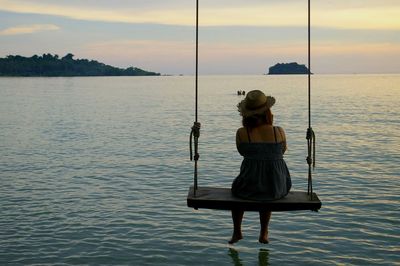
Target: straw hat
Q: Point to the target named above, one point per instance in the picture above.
(256, 102)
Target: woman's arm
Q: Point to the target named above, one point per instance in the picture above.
(238, 141)
(283, 138)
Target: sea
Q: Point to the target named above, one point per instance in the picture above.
(96, 170)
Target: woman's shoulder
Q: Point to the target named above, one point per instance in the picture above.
(280, 129)
(241, 133)
(280, 134)
(240, 130)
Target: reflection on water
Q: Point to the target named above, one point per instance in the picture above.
(235, 257)
(263, 257)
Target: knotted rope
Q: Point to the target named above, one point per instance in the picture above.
(194, 135)
(310, 159)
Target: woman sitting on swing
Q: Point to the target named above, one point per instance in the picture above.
(263, 174)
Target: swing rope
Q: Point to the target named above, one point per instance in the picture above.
(310, 132)
(195, 133)
(310, 136)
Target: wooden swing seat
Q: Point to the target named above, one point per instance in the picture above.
(222, 199)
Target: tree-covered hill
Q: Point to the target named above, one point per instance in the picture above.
(49, 65)
(287, 68)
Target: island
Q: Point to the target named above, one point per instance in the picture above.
(287, 68)
(49, 65)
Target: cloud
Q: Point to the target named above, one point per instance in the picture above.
(365, 49)
(143, 53)
(141, 47)
(102, 13)
(28, 29)
(339, 14)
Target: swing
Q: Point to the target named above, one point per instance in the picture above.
(222, 198)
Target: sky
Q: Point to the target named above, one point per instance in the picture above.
(235, 36)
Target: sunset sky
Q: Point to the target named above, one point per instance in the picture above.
(236, 37)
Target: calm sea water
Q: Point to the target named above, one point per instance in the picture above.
(96, 171)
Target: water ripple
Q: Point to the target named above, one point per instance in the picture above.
(91, 175)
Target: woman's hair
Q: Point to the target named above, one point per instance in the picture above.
(258, 119)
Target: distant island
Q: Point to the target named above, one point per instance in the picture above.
(287, 68)
(49, 65)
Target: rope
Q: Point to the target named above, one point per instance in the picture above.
(310, 132)
(197, 61)
(195, 132)
(310, 158)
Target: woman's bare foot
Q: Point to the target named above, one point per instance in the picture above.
(263, 238)
(235, 238)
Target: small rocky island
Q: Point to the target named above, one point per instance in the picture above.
(49, 65)
(287, 68)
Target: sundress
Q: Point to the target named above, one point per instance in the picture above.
(264, 174)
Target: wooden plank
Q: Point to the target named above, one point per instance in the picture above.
(222, 199)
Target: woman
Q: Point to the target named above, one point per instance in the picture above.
(263, 174)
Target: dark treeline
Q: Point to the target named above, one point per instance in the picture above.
(49, 65)
(288, 68)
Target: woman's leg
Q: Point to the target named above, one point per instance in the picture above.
(264, 222)
(237, 217)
